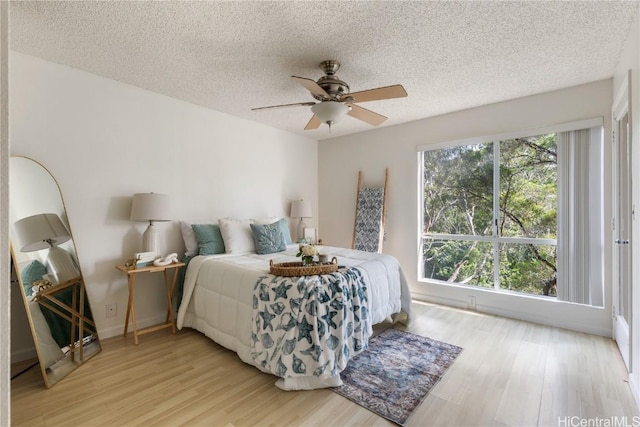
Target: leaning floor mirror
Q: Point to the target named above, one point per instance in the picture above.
(49, 277)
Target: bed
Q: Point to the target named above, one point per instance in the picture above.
(302, 330)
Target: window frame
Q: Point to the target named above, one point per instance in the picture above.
(494, 239)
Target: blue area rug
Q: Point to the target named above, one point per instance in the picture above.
(394, 375)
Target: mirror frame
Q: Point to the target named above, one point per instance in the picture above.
(76, 355)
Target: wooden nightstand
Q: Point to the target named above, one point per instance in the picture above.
(169, 288)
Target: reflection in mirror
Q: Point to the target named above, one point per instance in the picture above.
(49, 278)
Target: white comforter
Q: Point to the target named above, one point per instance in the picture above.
(218, 292)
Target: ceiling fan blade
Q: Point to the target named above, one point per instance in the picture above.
(365, 115)
(387, 92)
(314, 123)
(304, 104)
(311, 86)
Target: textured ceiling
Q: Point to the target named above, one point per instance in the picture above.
(233, 56)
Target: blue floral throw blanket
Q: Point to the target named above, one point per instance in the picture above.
(310, 326)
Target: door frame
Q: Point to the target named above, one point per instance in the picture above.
(622, 331)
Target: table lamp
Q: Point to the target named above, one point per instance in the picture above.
(151, 207)
(46, 231)
(300, 209)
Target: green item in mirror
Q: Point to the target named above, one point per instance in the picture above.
(32, 272)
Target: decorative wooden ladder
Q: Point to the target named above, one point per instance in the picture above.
(371, 206)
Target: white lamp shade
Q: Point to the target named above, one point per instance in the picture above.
(300, 209)
(150, 207)
(330, 111)
(40, 231)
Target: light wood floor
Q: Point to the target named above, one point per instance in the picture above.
(510, 373)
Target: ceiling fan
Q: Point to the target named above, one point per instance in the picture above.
(336, 101)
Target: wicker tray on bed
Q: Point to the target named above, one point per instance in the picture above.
(290, 269)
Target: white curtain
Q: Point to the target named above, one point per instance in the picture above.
(580, 216)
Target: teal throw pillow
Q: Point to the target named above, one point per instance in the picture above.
(209, 239)
(268, 238)
(32, 272)
(284, 227)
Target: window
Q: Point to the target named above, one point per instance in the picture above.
(500, 213)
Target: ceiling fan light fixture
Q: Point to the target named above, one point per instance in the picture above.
(330, 112)
(335, 99)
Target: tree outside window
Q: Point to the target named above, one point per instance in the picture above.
(490, 214)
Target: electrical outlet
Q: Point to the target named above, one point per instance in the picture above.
(471, 304)
(111, 309)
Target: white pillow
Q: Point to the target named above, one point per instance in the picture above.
(237, 235)
(189, 237)
(49, 349)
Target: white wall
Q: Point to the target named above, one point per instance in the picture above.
(5, 407)
(394, 147)
(630, 60)
(104, 141)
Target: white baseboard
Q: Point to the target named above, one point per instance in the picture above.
(119, 330)
(528, 311)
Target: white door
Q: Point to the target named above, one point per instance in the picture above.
(622, 314)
